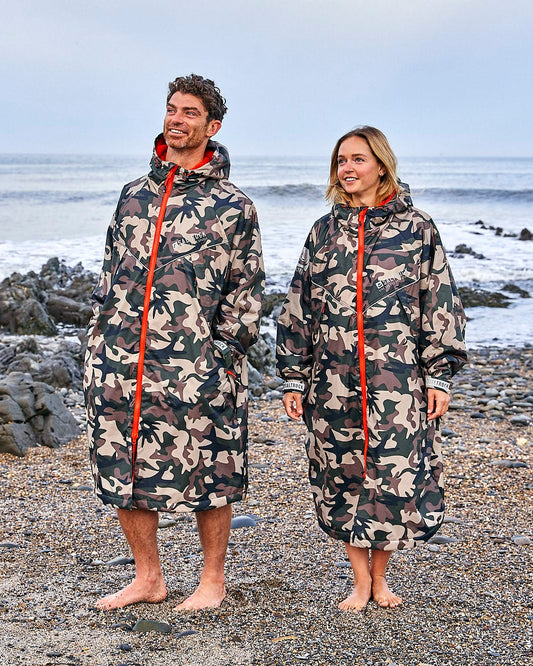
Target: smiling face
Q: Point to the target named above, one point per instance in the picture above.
(359, 171)
(187, 129)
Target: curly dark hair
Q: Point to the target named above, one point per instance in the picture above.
(205, 89)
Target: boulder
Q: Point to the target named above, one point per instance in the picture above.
(21, 311)
(33, 304)
(60, 366)
(261, 354)
(32, 414)
(472, 298)
(67, 310)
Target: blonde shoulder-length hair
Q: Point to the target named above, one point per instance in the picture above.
(382, 151)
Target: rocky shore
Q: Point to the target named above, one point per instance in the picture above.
(467, 594)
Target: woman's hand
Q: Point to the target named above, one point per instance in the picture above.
(438, 403)
(292, 401)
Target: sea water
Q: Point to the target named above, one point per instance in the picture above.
(60, 205)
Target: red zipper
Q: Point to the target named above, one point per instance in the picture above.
(360, 328)
(146, 308)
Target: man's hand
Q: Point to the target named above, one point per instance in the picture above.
(438, 403)
(292, 401)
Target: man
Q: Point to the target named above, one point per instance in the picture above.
(176, 307)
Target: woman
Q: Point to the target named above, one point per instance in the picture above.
(370, 334)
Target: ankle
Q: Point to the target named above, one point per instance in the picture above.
(151, 578)
(212, 578)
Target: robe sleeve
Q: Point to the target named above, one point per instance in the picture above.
(106, 275)
(294, 349)
(239, 313)
(442, 335)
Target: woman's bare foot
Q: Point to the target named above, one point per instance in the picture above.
(359, 598)
(135, 592)
(206, 595)
(381, 593)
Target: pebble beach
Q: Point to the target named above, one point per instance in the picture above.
(467, 594)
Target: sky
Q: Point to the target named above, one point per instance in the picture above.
(439, 77)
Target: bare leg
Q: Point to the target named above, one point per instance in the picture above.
(362, 580)
(381, 593)
(213, 527)
(140, 529)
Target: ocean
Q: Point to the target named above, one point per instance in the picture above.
(60, 205)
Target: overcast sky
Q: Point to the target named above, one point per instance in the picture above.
(439, 77)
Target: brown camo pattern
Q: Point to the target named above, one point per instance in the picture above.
(208, 283)
(414, 327)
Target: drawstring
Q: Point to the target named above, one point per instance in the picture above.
(146, 308)
(360, 329)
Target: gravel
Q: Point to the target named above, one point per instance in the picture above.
(467, 596)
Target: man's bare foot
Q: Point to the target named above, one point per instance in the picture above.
(359, 598)
(206, 595)
(134, 593)
(381, 593)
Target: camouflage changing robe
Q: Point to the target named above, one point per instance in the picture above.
(412, 325)
(207, 277)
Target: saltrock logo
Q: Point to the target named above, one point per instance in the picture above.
(384, 283)
(191, 239)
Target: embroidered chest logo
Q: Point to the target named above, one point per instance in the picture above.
(385, 283)
(190, 240)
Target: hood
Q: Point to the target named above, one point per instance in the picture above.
(347, 214)
(218, 166)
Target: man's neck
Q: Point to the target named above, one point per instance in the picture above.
(186, 158)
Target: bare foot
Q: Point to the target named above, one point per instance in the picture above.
(381, 593)
(359, 598)
(206, 595)
(134, 593)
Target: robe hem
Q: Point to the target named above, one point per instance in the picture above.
(400, 544)
(179, 507)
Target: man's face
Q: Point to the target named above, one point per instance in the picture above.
(186, 127)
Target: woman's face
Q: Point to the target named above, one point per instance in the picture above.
(358, 171)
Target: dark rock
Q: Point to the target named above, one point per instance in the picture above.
(67, 310)
(32, 414)
(33, 304)
(59, 370)
(446, 432)
(272, 301)
(472, 298)
(187, 632)
(261, 355)
(143, 626)
(462, 249)
(242, 521)
(440, 539)
(117, 561)
(513, 289)
(525, 235)
(21, 312)
(508, 464)
(520, 419)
